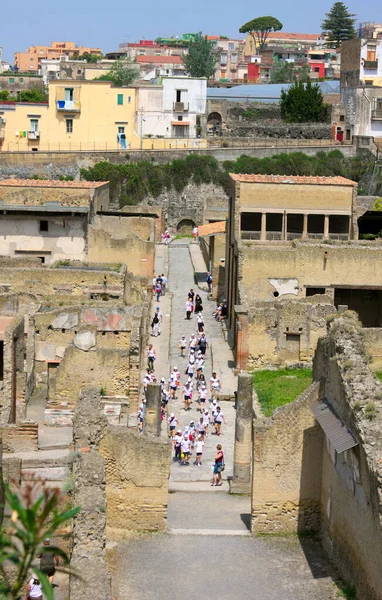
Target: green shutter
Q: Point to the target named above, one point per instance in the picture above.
(120, 99)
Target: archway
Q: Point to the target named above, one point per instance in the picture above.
(185, 226)
(214, 123)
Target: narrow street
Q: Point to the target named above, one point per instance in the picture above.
(208, 546)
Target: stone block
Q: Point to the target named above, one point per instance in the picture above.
(85, 340)
(45, 351)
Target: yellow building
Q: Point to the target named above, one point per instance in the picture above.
(81, 115)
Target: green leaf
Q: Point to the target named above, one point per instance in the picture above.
(46, 586)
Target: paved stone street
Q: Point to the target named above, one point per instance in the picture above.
(209, 549)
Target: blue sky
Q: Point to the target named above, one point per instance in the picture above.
(98, 23)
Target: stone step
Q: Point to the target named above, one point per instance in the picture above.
(229, 532)
(46, 473)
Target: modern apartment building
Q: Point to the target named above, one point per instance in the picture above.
(30, 60)
(361, 62)
(230, 56)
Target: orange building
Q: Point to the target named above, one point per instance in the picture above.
(30, 60)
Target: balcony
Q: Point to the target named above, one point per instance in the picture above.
(68, 105)
(180, 106)
(376, 114)
(370, 64)
(33, 135)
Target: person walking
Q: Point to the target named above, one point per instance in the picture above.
(177, 440)
(155, 325)
(203, 344)
(182, 346)
(199, 451)
(158, 289)
(215, 386)
(172, 422)
(209, 282)
(187, 396)
(191, 296)
(219, 419)
(34, 589)
(188, 310)
(151, 357)
(195, 233)
(219, 466)
(48, 562)
(186, 449)
(164, 284)
(206, 421)
(173, 381)
(200, 427)
(202, 398)
(200, 322)
(198, 304)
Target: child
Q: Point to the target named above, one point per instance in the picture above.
(178, 438)
(182, 346)
(202, 398)
(199, 451)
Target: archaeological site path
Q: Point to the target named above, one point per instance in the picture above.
(208, 550)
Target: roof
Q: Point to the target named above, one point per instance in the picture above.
(175, 60)
(334, 429)
(281, 35)
(211, 228)
(264, 92)
(45, 183)
(307, 180)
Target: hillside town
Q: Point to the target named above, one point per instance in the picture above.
(191, 314)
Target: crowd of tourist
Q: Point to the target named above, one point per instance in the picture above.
(190, 384)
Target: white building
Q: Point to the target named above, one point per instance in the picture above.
(174, 109)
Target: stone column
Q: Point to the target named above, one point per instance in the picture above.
(263, 235)
(241, 315)
(326, 227)
(152, 416)
(305, 227)
(241, 481)
(285, 227)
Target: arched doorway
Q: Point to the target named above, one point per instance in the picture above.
(214, 123)
(185, 226)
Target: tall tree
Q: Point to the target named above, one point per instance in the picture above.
(338, 25)
(200, 61)
(123, 72)
(260, 29)
(303, 103)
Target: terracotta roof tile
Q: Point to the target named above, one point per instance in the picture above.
(212, 228)
(281, 35)
(174, 60)
(45, 183)
(307, 180)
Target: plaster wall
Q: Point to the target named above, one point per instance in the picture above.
(65, 238)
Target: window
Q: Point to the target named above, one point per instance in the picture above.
(234, 58)
(43, 226)
(231, 46)
(69, 125)
(120, 99)
(128, 99)
(368, 82)
(178, 95)
(33, 124)
(371, 52)
(223, 59)
(11, 80)
(342, 117)
(180, 118)
(69, 94)
(121, 130)
(21, 79)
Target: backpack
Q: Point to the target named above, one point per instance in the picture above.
(155, 321)
(209, 278)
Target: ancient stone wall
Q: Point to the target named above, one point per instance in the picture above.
(373, 346)
(13, 392)
(285, 332)
(286, 468)
(137, 471)
(351, 495)
(88, 555)
(22, 437)
(125, 240)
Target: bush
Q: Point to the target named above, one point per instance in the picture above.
(303, 103)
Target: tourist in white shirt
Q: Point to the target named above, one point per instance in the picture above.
(189, 307)
(206, 421)
(186, 450)
(214, 385)
(178, 438)
(187, 396)
(173, 381)
(172, 423)
(218, 420)
(182, 346)
(202, 398)
(34, 589)
(199, 451)
(200, 322)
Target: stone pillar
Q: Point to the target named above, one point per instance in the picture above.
(263, 235)
(152, 416)
(326, 227)
(305, 227)
(241, 481)
(285, 227)
(241, 341)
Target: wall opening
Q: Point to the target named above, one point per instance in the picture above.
(316, 225)
(274, 226)
(185, 226)
(339, 226)
(250, 221)
(295, 226)
(214, 123)
(312, 291)
(370, 223)
(293, 346)
(1, 360)
(366, 302)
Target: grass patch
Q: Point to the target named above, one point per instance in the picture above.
(181, 236)
(378, 375)
(276, 388)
